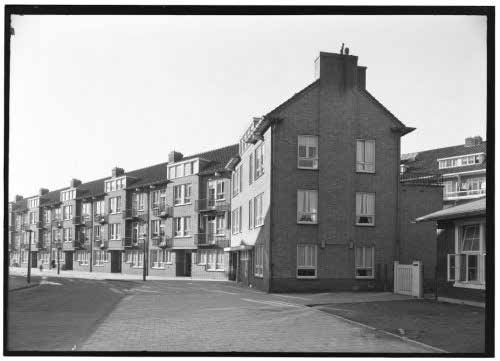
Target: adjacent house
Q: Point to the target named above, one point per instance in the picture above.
(461, 252)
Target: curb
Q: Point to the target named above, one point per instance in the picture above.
(24, 287)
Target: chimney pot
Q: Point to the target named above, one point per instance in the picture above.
(43, 191)
(19, 197)
(75, 183)
(472, 141)
(117, 172)
(174, 156)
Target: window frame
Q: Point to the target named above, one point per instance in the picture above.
(259, 161)
(258, 258)
(358, 215)
(356, 267)
(300, 213)
(363, 166)
(307, 267)
(302, 141)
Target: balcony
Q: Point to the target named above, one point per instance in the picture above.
(207, 205)
(43, 245)
(101, 218)
(162, 210)
(83, 220)
(134, 214)
(34, 246)
(467, 194)
(40, 224)
(68, 245)
(421, 178)
(162, 242)
(116, 244)
(57, 223)
(211, 239)
(253, 132)
(132, 242)
(100, 243)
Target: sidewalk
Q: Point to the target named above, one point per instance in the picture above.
(18, 283)
(18, 271)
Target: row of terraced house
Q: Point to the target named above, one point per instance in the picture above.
(310, 198)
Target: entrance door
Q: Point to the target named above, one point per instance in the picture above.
(68, 260)
(116, 261)
(233, 260)
(180, 261)
(33, 259)
(187, 270)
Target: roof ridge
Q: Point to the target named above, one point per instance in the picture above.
(447, 147)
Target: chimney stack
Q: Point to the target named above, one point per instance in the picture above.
(339, 71)
(43, 191)
(75, 183)
(361, 77)
(174, 156)
(18, 198)
(117, 172)
(472, 141)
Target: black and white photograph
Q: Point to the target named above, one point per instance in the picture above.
(248, 181)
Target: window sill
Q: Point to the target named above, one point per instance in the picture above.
(182, 204)
(313, 223)
(258, 276)
(307, 168)
(473, 285)
(364, 277)
(215, 270)
(365, 171)
(177, 237)
(307, 277)
(364, 225)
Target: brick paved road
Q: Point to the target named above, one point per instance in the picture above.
(198, 316)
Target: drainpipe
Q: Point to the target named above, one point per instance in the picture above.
(91, 234)
(271, 227)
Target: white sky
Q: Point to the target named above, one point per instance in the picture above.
(92, 92)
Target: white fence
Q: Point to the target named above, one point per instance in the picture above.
(409, 279)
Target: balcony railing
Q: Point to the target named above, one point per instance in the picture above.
(162, 241)
(421, 178)
(116, 244)
(68, 245)
(101, 218)
(101, 243)
(132, 242)
(162, 210)
(25, 226)
(211, 239)
(40, 224)
(57, 223)
(43, 245)
(471, 193)
(134, 214)
(210, 204)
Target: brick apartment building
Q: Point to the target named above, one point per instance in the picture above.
(462, 167)
(309, 199)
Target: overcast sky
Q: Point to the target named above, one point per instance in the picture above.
(92, 92)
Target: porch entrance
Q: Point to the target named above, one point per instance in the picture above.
(68, 261)
(116, 261)
(183, 263)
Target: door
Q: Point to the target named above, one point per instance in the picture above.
(116, 261)
(179, 262)
(233, 260)
(68, 260)
(33, 259)
(187, 271)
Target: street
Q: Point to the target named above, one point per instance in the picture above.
(104, 315)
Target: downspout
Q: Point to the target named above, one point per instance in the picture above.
(397, 243)
(91, 234)
(271, 226)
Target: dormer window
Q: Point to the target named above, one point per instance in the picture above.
(461, 161)
(68, 195)
(115, 184)
(33, 203)
(183, 169)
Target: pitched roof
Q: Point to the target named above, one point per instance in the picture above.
(218, 158)
(473, 208)
(426, 161)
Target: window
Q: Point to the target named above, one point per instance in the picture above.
(32, 217)
(100, 257)
(182, 226)
(183, 169)
(365, 156)
(155, 228)
(244, 256)
(67, 212)
(82, 257)
(115, 204)
(201, 257)
(139, 201)
(68, 195)
(160, 258)
(461, 161)
(135, 258)
(67, 233)
(99, 207)
(220, 190)
(470, 238)
(364, 265)
(33, 203)
(158, 198)
(86, 209)
(250, 214)
(237, 180)
(306, 261)
(44, 257)
(213, 259)
(236, 220)
(452, 268)
(365, 209)
(220, 224)
(114, 231)
(114, 184)
(307, 206)
(257, 209)
(250, 168)
(259, 260)
(182, 194)
(259, 161)
(97, 232)
(307, 157)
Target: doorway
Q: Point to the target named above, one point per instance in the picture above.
(116, 261)
(68, 261)
(33, 259)
(183, 263)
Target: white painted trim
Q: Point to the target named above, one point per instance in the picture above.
(462, 173)
(461, 156)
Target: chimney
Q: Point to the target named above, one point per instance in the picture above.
(338, 71)
(75, 183)
(361, 76)
(18, 198)
(117, 172)
(174, 156)
(472, 141)
(43, 191)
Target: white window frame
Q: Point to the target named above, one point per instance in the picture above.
(67, 212)
(364, 258)
(114, 231)
(182, 194)
(237, 180)
(258, 209)
(201, 257)
(258, 261)
(236, 218)
(185, 227)
(307, 266)
(364, 165)
(250, 214)
(250, 168)
(364, 201)
(309, 142)
(309, 196)
(259, 161)
(115, 205)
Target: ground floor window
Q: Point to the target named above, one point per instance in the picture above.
(135, 258)
(24, 256)
(100, 257)
(364, 262)
(14, 257)
(54, 255)
(160, 258)
(82, 257)
(44, 257)
(259, 261)
(466, 267)
(306, 261)
(213, 259)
